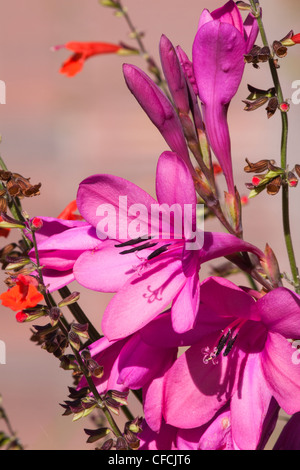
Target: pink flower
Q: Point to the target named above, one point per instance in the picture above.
(147, 274)
(243, 355)
(218, 59)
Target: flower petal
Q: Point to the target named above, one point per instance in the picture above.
(142, 298)
(280, 365)
(109, 202)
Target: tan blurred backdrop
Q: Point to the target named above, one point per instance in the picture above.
(58, 131)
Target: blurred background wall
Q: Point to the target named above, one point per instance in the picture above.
(58, 131)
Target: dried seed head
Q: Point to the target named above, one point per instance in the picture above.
(258, 167)
(274, 186)
(279, 49)
(272, 107)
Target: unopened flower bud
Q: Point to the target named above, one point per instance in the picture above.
(71, 299)
(292, 179)
(284, 107)
(36, 223)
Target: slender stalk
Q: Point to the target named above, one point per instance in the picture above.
(153, 67)
(64, 328)
(284, 139)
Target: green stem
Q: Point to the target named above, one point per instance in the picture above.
(284, 140)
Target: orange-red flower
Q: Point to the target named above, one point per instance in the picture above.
(85, 50)
(23, 295)
(69, 212)
(4, 232)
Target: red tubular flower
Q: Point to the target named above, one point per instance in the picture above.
(296, 38)
(4, 232)
(85, 50)
(68, 212)
(23, 295)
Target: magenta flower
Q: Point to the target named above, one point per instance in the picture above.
(159, 109)
(132, 364)
(60, 242)
(148, 274)
(246, 358)
(218, 59)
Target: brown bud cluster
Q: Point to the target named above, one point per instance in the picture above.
(18, 186)
(257, 55)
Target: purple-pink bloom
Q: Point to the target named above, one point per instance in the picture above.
(242, 355)
(218, 59)
(148, 274)
(60, 243)
(159, 109)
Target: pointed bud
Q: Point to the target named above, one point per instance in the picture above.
(255, 104)
(9, 222)
(96, 434)
(74, 340)
(174, 75)
(94, 368)
(54, 315)
(107, 445)
(271, 267)
(109, 3)
(256, 93)
(81, 330)
(159, 109)
(71, 299)
(243, 6)
(233, 210)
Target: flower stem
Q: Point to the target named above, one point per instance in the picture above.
(284, 139)
(153, 67)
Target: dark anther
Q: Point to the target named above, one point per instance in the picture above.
(157, 252)
(133, 242)
(222, 343)
(138, 248)
(229, 346)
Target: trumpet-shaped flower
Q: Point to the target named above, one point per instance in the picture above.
(242, 355)
(218, 59)
(83, 51)
(148, 273)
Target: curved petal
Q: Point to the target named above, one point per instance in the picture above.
(230, 14)
(110, 203)
(226, 299)
(55, 280)
(174, 183)
(142, 298)
(251, 31)
(223, 244)
(280, 365)
(185, 305)
(105, 269)
(218, 59)
(280, 312)
(249, 406)
(201, 388)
